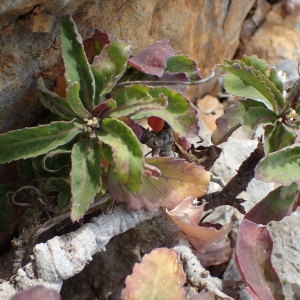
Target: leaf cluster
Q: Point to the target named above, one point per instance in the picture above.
(265, 104)
(94, 143)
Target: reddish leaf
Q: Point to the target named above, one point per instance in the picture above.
(211, 244)
(253, 257)
(153, 60)
(37, 292)
(254, 243)
(156, 123)
(275, 206)
(178, 181)
(159, 276)
(94, 45)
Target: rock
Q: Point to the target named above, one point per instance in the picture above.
(207, 31)
(278, 37)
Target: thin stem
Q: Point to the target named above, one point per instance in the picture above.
(162, 82)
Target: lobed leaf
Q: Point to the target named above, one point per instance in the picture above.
(127, 164)
(177, 181)
(57, 105)
(247, 81)
(77, 68)
(109, 66)
(159, 275)
(278, 136)
(30, 142)
(282, 166)
(85, 175)
(153, 60)
(228, 123)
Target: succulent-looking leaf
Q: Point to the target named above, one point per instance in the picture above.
(159, 275)
(255, 117)
(109, 66)
(30, 142)
(228, 123)
(75, 102)
(277, 137)
(282, 166)
(276, 205)
(127, 166)
(254, 243)
(205, 296)
(57, 105)
(180, 113)
(183, 64)
(153, 60)
(76, 64)
(249, 78)
(6, 209)
(211, 244)
(253, 257)
(178, 180)
(156, 123)
(134, 99)
(85, 175)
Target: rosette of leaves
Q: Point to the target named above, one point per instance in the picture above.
(264, 103)
(96, 133)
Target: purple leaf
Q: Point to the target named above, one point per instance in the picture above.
(37, 292)
(253, 257)
(153, 60)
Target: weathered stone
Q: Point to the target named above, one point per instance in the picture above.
(278, 37)
(207, 31)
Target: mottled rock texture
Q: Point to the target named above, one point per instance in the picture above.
(206, 30)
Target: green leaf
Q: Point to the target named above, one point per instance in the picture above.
(255, 117)
(57, 105)
(169, 183)
(183, 64)
(278, 204)
(75, 102)
(6, 209)
(228, 123)
(282, 166)
(30, 142)
(180, 113)
(109, 66)
(277, 137)
(85, 175)
(76, 63)
(127, 153)
(247, 81)
(134, 99)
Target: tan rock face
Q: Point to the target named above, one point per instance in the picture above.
(278, 37)
(207, 31)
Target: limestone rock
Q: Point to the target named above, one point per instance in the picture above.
(207, 31)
